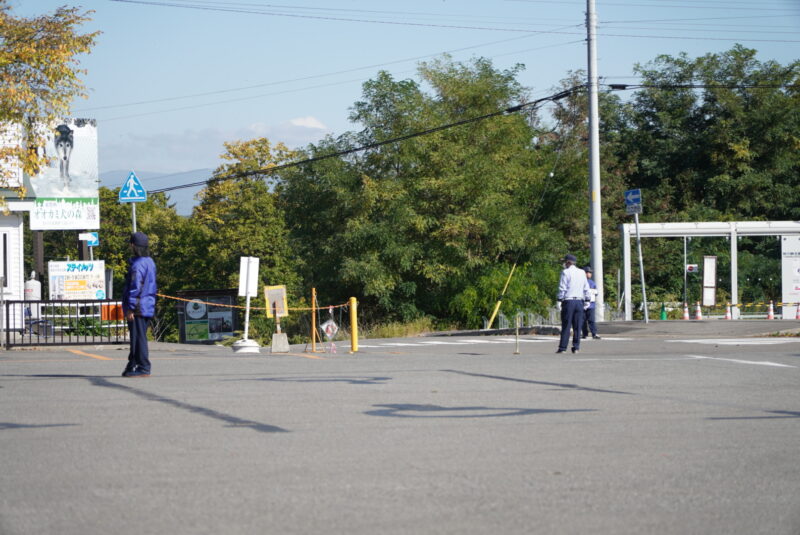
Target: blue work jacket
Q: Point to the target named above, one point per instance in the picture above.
(139, 293)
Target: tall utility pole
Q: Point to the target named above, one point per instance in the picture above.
(595, 217)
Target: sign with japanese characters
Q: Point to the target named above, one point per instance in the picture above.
(75, 280)
(65, 189)
(65, 214)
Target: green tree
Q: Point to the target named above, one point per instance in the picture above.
(239, 217)
(413, 225)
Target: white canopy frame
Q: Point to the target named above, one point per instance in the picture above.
(731, 229)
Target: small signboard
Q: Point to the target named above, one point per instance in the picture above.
(77, 280)
(248, 276)
(709, 281)
(92, 239)
(692, 268)
(633, 201)
(275, 297)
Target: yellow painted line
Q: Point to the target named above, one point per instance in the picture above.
(304, 355)
(85, 354)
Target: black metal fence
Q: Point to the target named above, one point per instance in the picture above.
(35, 323)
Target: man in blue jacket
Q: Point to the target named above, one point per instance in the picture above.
(139, 304)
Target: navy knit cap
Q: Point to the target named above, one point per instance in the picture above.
(139, 239)
(570, 258)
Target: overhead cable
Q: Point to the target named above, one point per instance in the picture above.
(274, 168)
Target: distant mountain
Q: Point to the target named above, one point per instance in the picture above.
(183, 198)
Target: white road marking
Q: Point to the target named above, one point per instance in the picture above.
(755, 362)
(739, 341)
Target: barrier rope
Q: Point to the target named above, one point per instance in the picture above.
(297, 309)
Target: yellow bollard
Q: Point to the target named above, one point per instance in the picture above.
(353, 325)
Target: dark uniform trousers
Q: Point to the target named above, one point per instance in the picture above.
(139, 357)
(571, 317)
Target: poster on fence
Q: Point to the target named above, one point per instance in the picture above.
(208, 318)
(77, 280)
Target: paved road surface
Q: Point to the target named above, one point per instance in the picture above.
(642, 432)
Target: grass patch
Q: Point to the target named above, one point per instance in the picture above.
(399, 330)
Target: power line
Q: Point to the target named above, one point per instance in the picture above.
(304, 78)
(340, 19)
(270, 170)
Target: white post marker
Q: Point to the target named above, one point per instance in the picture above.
(248, 286)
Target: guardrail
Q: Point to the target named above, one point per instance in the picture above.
(36, 323)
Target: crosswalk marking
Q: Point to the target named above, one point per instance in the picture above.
(738, 341)
(739, 361)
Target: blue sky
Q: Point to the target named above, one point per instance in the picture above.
(171, 80)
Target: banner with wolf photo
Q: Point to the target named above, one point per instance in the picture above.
(65, 191)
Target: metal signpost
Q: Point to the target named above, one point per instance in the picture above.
(633, 205)
(132, 191)
(248, 287)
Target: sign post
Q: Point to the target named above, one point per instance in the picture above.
(132, 191)
(633, 205)
(248, 287)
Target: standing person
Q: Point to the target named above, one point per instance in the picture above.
(588, 313)
(139, 304)
(573, 292)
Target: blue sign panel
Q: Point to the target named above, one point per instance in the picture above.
(95, 241)
(633, 201)
(132, 190)
(633, 196)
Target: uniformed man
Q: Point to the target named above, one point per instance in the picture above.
(573, 293)
(589, 313)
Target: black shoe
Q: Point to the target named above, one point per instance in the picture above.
(583, 337)
(137, 373)
(596, 337)
(575, 350)
(561, 351)
(127, 371)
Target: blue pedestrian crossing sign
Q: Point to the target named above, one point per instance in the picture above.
(132, 190)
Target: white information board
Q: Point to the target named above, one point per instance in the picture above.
(77, 280)
(790, 274)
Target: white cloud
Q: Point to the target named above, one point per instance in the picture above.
(308, 122)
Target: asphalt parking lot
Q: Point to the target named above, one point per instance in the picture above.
(653, 429)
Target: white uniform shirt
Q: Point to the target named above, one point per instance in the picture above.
(573, 284)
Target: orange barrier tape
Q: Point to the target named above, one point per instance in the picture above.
(239, 306)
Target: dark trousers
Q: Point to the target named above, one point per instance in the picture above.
(139, 356)
(571, 317)
(588, 322)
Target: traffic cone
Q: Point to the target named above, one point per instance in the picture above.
(728, 315)
(685, 311)
(797, 311)
(770, 312)
(698, 314)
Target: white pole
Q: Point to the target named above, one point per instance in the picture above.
(734, 270)
(133, 213)
(641, 268)
(595, 220)
(247, 299)
(685, 260)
